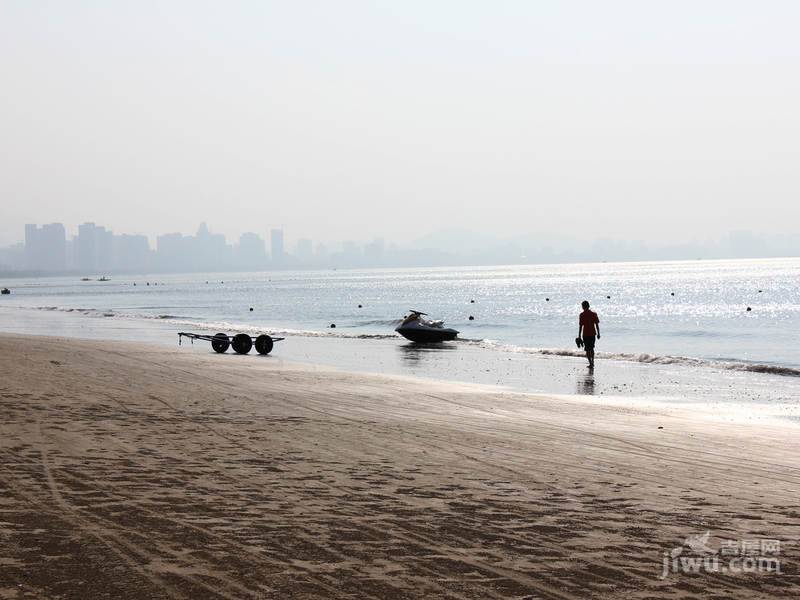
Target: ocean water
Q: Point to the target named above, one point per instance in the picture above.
(687, 313)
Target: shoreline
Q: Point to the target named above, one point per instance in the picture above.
(154, 473)
(730, 394)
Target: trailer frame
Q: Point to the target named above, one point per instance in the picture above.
(242, 343)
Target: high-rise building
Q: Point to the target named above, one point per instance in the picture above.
(93, 249)
(276, 240)
(351, 251)
(12, 258)
(104, 249)
(131, 253)
(251, 252)
(173, 252)
(45, 247)
(210, 252)
(205, 252)
(373, 251)
(305, 250)
(86, 248)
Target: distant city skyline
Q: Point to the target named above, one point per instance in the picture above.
(96, 250)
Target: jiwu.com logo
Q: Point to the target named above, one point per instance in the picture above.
(698, 555)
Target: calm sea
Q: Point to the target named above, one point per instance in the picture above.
(693, 313)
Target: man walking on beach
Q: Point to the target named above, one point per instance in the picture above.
(588, 328)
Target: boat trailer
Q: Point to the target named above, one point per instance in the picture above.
(241, 342)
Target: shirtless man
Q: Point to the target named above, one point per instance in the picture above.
(588, 328)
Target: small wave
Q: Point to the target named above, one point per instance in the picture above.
(481, 325)
(644, 358)
(219, 326)
(382, 322)
(728, 365)
(107, 313)
(336, 333)
(92, 312)
(164, 317)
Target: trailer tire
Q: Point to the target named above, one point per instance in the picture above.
(220, 342)
(242, 343)
(264, 344)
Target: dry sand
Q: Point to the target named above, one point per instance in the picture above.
(132, 471)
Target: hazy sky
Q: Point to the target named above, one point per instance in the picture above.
(638, 120)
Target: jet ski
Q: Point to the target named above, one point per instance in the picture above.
(417, 328)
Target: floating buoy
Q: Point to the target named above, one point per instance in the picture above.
(609, 297)
(749, 309)
(471, 318)
(672, 294)
(472, 301)
(251, 309)
(148, 283)
(333, 325)
(134, 284)
(359, 306)
(759, 291)
(547, 299)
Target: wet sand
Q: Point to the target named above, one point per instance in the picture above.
(136, 471)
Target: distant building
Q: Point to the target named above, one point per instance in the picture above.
(131, 253)
(12, 258)
(210, 252)
(305, 250)
(86, 248)
(251, 252)
(104, 249)
(93, 249)
(351, 251)
(173, 252)
(205, 252)
(373, 251)
(276, 239)
(46, 247)
(69, 252)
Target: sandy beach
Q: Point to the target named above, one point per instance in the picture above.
(143, 471)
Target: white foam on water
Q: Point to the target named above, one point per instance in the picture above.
(341, 332)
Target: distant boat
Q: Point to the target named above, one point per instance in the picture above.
(104, 279)
(5, 291)
(85, 279)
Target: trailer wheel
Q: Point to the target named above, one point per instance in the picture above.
(242, 343)
(264, 344)
(220, 342)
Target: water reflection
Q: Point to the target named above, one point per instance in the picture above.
(585, 383)
(412, 354)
